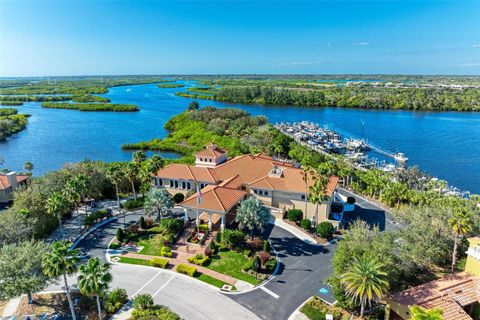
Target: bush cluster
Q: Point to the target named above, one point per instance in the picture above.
(198, 259)
(306, 224)
(178, 197)
(95, 217)
(158, 263)
(186, 269)
(166, 252)
(295, 215)
(325, 230)
(114, 300)
(133, 204)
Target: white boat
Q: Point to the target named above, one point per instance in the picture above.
(400, 157)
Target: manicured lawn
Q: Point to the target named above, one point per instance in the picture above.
(230, 263)
(151, 246)
(133, 261)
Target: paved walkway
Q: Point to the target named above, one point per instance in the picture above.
(11, 307)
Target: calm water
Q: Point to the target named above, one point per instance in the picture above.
(446, 144)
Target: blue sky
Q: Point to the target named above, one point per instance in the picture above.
(163, 37)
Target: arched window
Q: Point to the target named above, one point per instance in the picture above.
(171, 183)
(189, 186)
(266, 193)
(176, 184)
(184, 185)
(260, 192)
(160, 182)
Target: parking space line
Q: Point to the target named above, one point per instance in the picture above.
(163, 286)
(270, 292)
(147, 283)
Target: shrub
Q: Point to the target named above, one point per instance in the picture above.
(266, 246)
(350, 200)
(166, 252)
(114, 300)
(325, 230)
(306, 224)
(186, 269)
(295, 215)
(95, 217)
(257, 244)
(247, 252)
(120, 235)
(248, 265)
(158, 263)
(143, 301)
(270, 265)
(172, 225)
(233, 238)
(256, 264)
(264, 256)
(203, 227)
(142, 223)
(178, 197)
(198, 259)
(149, 222)
(208, 251)
(133, 204)
(114, 245)
(154, 313)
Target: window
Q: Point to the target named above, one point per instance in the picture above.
(254, 191)
(176, 184)
(171, 183)
(303, 197)
(260, 192)
(210, 160)
(266, 193)
(160, 182)
(189, 186)
(184, 185)
(201, 159)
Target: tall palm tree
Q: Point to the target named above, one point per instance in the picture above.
(131, 172)
(461, 223)
(28, 166)
(82, 181)
(93, 280)
(60, 260)
(115, 174)
(317, 193)
(307, 174)
(57, 206)
(419, 313)
(365, 281)
(139, 156)
(72, 193)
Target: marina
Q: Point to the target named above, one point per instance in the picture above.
(328, 142)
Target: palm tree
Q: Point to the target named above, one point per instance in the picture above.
(81, 181)
(317, 193)
(156, 162)
(139, 156)
(61, 261)
(115, 174)
(365, 281)
(419, 313)
(461, 223)
(158, 201)
(72, 193)
(307, 172)
(251, 213)
(28, 166)
(131, 172)
(57, 206)
(93, 280)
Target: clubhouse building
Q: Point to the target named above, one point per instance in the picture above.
(224, 183)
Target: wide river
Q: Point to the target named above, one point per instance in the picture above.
(445, 144)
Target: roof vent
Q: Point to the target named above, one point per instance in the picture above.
(276, 172)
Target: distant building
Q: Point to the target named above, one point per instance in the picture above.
(8, 183)
(277, 184)
(457, 295)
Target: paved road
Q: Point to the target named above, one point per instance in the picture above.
(303, 271)
(369, 212)
(190, 298)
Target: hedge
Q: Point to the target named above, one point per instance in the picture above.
(198, 259)
(166, 252)
(306, 224)
(325, 230)
(158, 263)
(185, 269)
(132, 204)
(96, 216)
(295, 215)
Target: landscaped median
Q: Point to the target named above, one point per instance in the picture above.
(316, 309)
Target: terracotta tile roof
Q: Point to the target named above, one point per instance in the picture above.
(186, 172)
(216, 198)
(234, 182)
(4, 184)
(449, 293)
(211, 150)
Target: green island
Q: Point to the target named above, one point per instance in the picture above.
(35, 98)
(11, 103)
(90, 98)
(435, 94)
(170, 85)
(91, 106)
(11, 122)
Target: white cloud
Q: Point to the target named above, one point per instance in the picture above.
(470, 64)
(299, 63)
(361, 44)
(476, 46)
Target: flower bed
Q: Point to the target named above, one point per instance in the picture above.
(316, 309)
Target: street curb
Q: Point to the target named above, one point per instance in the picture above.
(303, 240)
(297, 311)
(90, 230)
